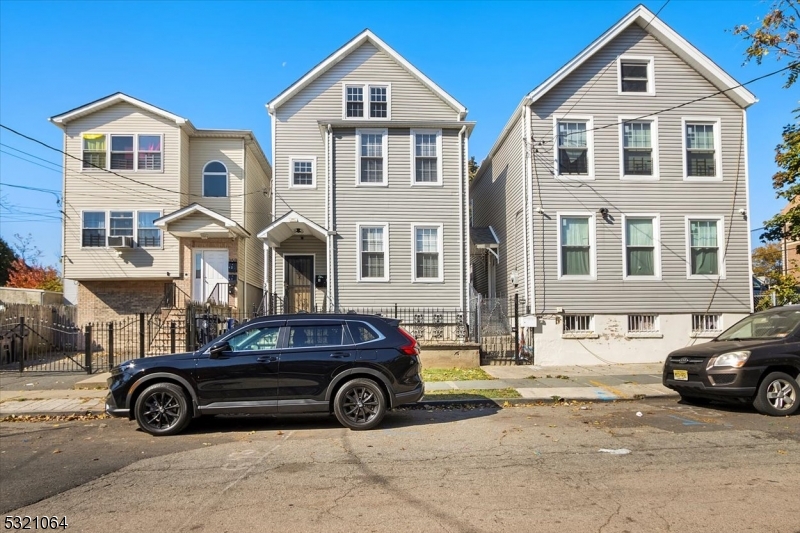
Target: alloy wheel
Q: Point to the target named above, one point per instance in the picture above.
(781, 395)
(360, 405)
(162, 410)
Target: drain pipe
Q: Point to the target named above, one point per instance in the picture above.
(330, 286)
(462, 149)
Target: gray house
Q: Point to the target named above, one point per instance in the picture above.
(618, 196)
(370, 188)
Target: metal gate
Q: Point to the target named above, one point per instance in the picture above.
(493, 330)
(37, 338)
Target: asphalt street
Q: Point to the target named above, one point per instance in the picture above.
(648, 466)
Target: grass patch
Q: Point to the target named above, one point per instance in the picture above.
(454, 374)
(472, 394)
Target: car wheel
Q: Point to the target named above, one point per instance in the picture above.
(359, 404)
(778, 395)
(162, 409)
(694, 400)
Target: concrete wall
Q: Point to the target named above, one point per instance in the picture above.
(457, 355)
(12, 295)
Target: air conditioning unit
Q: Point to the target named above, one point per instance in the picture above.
(120, 242)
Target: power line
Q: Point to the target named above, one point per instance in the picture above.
(31, 155)
(31, 162)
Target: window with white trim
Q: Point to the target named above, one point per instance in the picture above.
(302, 173)
(378, 102)
(148, 235)
(642, 323)
(635, 76)
(94, 151)
(704, 247)
(640, 246)
(367, 101)
(576, 245)
(427, 253)
(149, 152)
(134, 152)
(573, 148)
(706, 323)
(426, 157)
(637, 148)
(701, 156)
(354, 101)
(215, 179)
(122, 152)
(93, 232)
(120, 224)
(371, 157)
(578, 324)
(372, 253)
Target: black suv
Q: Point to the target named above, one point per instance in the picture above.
(757, 360)
(356, 366)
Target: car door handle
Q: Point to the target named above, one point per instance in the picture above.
(340, 355)
(267, 359)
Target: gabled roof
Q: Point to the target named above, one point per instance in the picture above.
(116, 98)
(484, 237)
(347, 49)
(668, 37)
(290, 224)
(197, 208)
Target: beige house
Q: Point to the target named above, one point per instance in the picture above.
(158, 212)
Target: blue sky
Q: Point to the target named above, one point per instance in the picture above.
(218, 64)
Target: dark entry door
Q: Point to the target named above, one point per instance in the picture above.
(299, 283)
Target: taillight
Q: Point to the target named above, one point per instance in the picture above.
(412, 348)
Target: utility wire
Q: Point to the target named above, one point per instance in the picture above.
(30, 155)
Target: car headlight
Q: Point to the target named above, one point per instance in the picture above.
(730, 359)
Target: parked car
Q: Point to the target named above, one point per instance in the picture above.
(757, 360)
(355, 366)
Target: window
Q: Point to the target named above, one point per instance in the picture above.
(577, 235)
(215, 179)
(702, 154)
(573, 148)
(149, 152)
(120, 224)
(94, 150)
(122, 152)
(258, 338)
(363, 332)
(636, 75)
(641, 254)
(427, 253)
(94, 229)
(705, 323)
(637, 149)
(354, 102)
(371, 157)
(705, 236)
(642, 323)
(302, 172)
(578, 324)
(148, 235)
(309, 336)
(426, 149)
(372, 251)
(378, 102)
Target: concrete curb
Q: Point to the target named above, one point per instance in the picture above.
(53, 413)
(532, 402)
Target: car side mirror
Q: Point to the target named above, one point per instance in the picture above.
(218, 350)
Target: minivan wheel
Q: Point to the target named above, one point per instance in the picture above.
(162, 409)
(778, 395)
(359, 404)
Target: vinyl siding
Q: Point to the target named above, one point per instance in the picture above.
(184, 169)
(257, 216)
(298, 133)
(306, 245)
(231, 153)
(401, 206)
(592, 91)
(199, 223)
(498, 196)
(103, 191)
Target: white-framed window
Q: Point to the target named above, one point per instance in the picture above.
(426, 157)
(578, 324)
(641, 256)
(573, 157)
(215, 179)
(120, 224)
(373, 252)
(148, 235)
(577, 246)
(638, 149)
(303, 172)
(129, 152)
(367, 101)
(93, 229)
(371, 148)
(636, 75)
(705, 238)
(701, 149)
(706, 324)
(427, 246)
(643, 324)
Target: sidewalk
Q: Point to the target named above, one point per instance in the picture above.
(534, 383)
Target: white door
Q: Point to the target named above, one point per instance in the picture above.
(210, 275)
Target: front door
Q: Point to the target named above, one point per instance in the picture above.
(210, 275)
(299, 283)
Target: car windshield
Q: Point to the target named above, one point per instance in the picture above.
(772, 325)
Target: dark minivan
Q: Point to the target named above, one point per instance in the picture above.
(355, 366)
(757, 360)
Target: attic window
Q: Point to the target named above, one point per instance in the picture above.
(367, 101)
(355, 102)
(636, 75)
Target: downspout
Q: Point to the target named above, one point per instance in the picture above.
(273, 284)
(530, 270)
(244, 219)
(462, 147)
(331, 285)
(747, 207)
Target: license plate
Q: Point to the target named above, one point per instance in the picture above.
(681, 375)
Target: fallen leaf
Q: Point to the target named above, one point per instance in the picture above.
(56, 451)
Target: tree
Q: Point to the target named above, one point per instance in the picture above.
(24, 276)
(473, 168)
(783, 287)
(768, 262)
(6, 258)
(777, 34)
